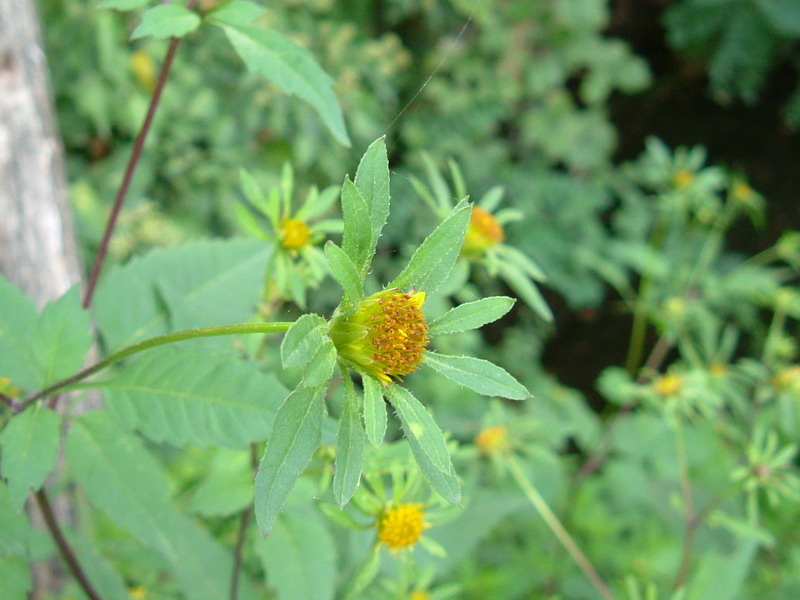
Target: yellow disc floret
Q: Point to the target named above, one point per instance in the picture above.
(788, 379)
(401, 526)
(492, 439)
(294, 234)
(668, 385)
(483, 232)
(386, 335)
(682, 178)
(420, 595)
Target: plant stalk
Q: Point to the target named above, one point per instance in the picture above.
(63, 546)
(553, 522)
(133, 161)
(170, 338)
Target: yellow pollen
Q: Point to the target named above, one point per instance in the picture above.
(483, 232)
(401, 526)
(682, 178)
(668, 385)
(386, 336)
(492, 439)
(294, 234)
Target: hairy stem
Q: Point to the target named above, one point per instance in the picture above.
(63, 546)
(692, 519)
(170, 338)
(133, 161)
(553, 522)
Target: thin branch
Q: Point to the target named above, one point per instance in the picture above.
(243, 524)
(63, 546)
(692, 518)
(170, 338)
(558, 529)
(133, 161)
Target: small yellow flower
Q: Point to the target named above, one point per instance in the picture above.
(668, 385)
(144, 69)
(386, 335)
(788, 379)
(420, 595)
(483, 232)
(138, 593)
(7, 388)
(492, 440)
(401, 526)
(295, 234)
(683, 178)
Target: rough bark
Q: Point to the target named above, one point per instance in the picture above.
(37, 240)
(37, 246)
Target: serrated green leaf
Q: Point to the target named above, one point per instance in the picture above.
(319, 369)
(481, 376)
(124, 480)
(290, 67)
(30, 447)
(471, 315)
(101, 573)
(430, 265)
(357, 235)
(16, 577)
(345, 272)
(16, 528)
(17, 321)
(299, 555)
(528, 293)
(211, 282)
(166, 21)
(349, 447)
(296, 433)
(372, 180)
(374, 411)
(341, 517)
(123, 4)
(426, 441)
(302, 340)
(195, 396)
(62, 338)
(237, 11)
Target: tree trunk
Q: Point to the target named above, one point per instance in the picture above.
(37, 239)
(37, 244)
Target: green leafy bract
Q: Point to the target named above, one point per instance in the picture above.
(471, 315)
(374, 411)
(349, 446)
(296, 433)
(372, 180)
(427, 442)
(478, 375)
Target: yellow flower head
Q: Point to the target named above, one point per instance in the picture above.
(492, 440)
(668, 385)
(788, 379)
(483, 232)
(420, 595)
(7, 388)
(386, 335)
(294, 234)
(401, 526)
(718, 369)
(138, 593)
(682, 178)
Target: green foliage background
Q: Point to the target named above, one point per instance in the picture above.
(516, 94)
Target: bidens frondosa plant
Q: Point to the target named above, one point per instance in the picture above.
(383, 337)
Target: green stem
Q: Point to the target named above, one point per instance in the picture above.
(557, 528)
(170, 338)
